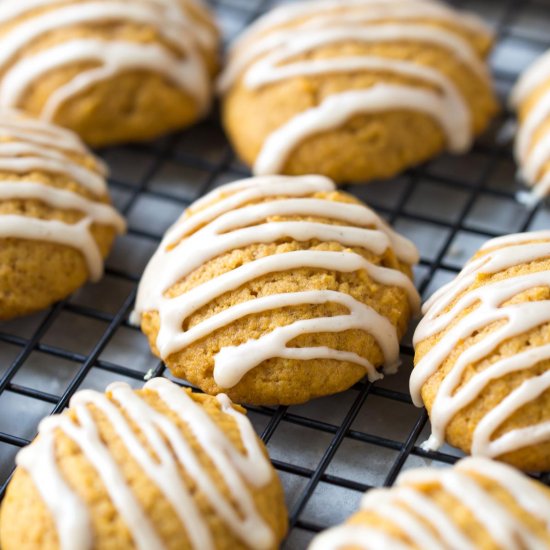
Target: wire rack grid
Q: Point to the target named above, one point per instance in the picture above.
(328, 451)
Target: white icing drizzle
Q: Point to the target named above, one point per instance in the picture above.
(86, 435)
(27, 151)
(452, 397)
(114, 58)
(383, 505)
(272, 186)
(234, 467)
(535, 75)
(537, 157)
(536, 116)
(68, 512)
(75, 235)
(338, 108)
(495, 519)
(504, 528)
(230, 367)
(264, 55)
(227, 225)
(533, 155)
(526, 492)
(526, 393)
(14, 125)
(426, 525)
(172, 452)
(60, 198)
(81, 175)
(179, 308)
(323, 10)
(29, 144)
(396, 506)
(205, 35)
(172, 20)
(345, 536)
(280, 46)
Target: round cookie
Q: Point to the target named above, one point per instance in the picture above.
(277, 290)
(356, 90)
(111, 70)
(531, 98)
(482, 361)
(56, 221)
(155, 468)
(476, 505)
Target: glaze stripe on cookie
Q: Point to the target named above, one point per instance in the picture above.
(425, 522)
(519, 318)
(227, 222)
(338, 108)
(76, 235)
(378, 9)
(533, 154)
(38, 132)
(21, 157)
(280, 49)
(69, 513)
(463, 483)
(265, 55)
(241, 473)
(358, 536)
(36, 146)
(179, 60)
(60, 198)
(389, 505)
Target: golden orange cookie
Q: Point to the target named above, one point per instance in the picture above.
(356, 90)
(482, 362)
(56, 221)
(278, 290)
(155, 468)
(111, 70)
(476, 505)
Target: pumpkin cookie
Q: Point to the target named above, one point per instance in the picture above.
(531, 98)
(156, 468)
(483, 354)
(356, 90)
(111, 70)
(278, 290)
(476, 505)
(56, 221)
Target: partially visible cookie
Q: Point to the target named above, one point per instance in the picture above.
(278, 290)
(150, 469)
(531, 98)
(111, 70)
(56, 221)
(356, 90)
(476, 505)
(482, 354)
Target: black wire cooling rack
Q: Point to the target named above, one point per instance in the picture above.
(329, 451)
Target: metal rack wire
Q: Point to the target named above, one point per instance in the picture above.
(329, 451)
